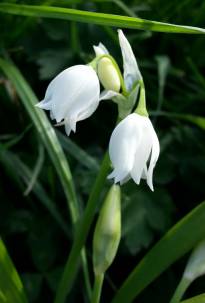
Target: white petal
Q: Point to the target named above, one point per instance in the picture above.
(100, 50)
(131, 70)
(122, 147)
(87, 112)
(67, 129)
(108, 94)
(74, 90)
(143, 151)
(154, 158)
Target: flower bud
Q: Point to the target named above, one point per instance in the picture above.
(107, 232)
(108, 74)
(196, 264)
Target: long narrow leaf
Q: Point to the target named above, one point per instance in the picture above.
(11, 288)
(197, 120)
(178, 241)
(49, 139)
(17, 167)
(96, 18)
(45, 131)
(197, 299)
(78, 153)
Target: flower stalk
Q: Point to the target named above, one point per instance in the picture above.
(97, 288)
(141, 107)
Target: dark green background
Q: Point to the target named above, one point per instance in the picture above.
(41, 48)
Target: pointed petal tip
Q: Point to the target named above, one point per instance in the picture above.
(149, 183)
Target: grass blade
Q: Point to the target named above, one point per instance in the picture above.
(179, 240)
(11, 288)
(49, 139)
(78, 153)
(45, 131)
(17, 167)
(197, 299)
(197, 120)
(96, 18)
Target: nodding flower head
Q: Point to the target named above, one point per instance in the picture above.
(72, 96)
(134, 150)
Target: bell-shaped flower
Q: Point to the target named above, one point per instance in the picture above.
(134, 150)
(72, 96)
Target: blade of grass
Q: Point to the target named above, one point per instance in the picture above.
(168, 250)
(97, 18)
(197, 120)
(78, 153)
(49, 139)
(46, 133)
(197, 299)
(36, 170)
(12, 162)
(11, 288)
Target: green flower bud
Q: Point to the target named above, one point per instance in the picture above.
(108, 74)
(107, 232)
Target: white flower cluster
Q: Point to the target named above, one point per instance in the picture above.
(74, 95)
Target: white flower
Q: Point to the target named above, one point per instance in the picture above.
(134, 150)
(73, 96)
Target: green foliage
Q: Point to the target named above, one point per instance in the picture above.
(34, 221)
(197, 299)
(144, 215)
(11, 288)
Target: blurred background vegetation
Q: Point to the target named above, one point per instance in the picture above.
(173, 68)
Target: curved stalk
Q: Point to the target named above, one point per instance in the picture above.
(180, 290)
(81, 234)
(97, 288)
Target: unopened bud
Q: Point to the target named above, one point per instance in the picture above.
(108, 74)
(107, 232)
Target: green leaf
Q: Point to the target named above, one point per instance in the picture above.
(17, 167)
(45, 132)
(143, 215)
(197, 299)
(50, 140)
(96, 18)
(197, 120)
(78, 153)
(179, 240)
(11, 288)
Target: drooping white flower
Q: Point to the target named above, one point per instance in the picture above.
(134, 150)
(72, 96)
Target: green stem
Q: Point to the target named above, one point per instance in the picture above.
(81, 234)
(97, 288)
(86, 273)
(141, 107)
(180, 290)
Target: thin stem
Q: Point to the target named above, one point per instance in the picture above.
(81, 234)
(97, 288)
(180, 290)
(141, 107)
(86, 273)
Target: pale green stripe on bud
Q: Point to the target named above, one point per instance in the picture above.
(107, 232)
(108, 74)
